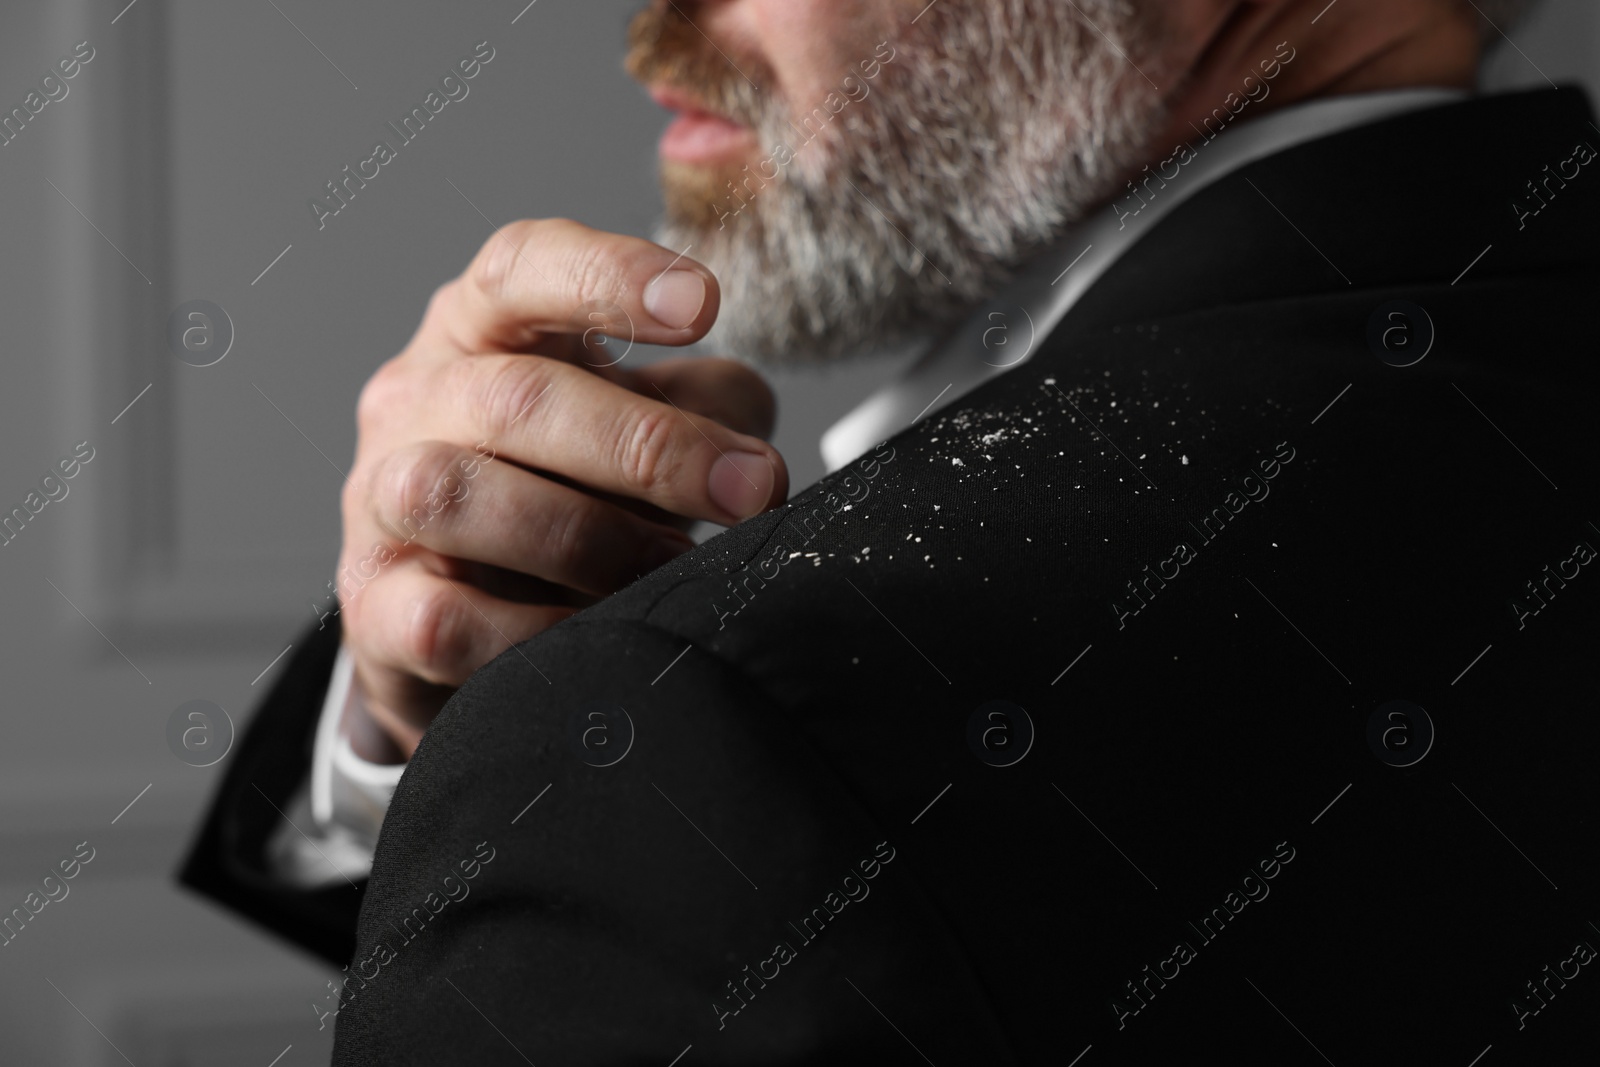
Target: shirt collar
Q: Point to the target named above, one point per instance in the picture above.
(1003, 332)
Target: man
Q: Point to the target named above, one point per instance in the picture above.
(1219, 570)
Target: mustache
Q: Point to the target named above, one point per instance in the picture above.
(666, 48)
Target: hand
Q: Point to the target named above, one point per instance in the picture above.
(506, 475)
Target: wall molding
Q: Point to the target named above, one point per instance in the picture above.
(123, 561)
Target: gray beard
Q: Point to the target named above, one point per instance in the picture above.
(992, 130)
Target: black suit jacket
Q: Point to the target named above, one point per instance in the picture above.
(1206, 685)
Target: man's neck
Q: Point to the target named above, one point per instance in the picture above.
(1350, 46)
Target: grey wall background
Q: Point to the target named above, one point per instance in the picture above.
(189, 550)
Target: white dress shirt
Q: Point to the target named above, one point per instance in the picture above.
(348, 795)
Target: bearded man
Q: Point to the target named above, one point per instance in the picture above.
(1136, 676)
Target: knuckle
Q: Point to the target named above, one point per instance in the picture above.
(438, 637)
(512, 250)
(564, 537)
(351, 615)
(647, 457)
(361, 614)
(505, 390)
(494, 269)
(353, 498)
(414, 488)
(357, 623)
(595, 272)
(440, 302)
(380, 396)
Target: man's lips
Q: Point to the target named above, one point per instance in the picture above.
(697, 135)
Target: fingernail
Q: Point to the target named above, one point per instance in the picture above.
(741, 483)
(675, 298)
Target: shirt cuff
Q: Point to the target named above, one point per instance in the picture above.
(348, 791)
(348, 795)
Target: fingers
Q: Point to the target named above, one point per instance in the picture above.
(416, 635)
(453, 502)
(555, 417)
(484, 547)
(720, 389)
(557, 276)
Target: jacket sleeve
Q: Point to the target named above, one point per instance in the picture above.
(268, 768)
(599, 869)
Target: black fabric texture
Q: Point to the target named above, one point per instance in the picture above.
(1203, 538)
(227, 860)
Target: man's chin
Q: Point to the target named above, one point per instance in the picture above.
(797, 290)
(698, 196)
